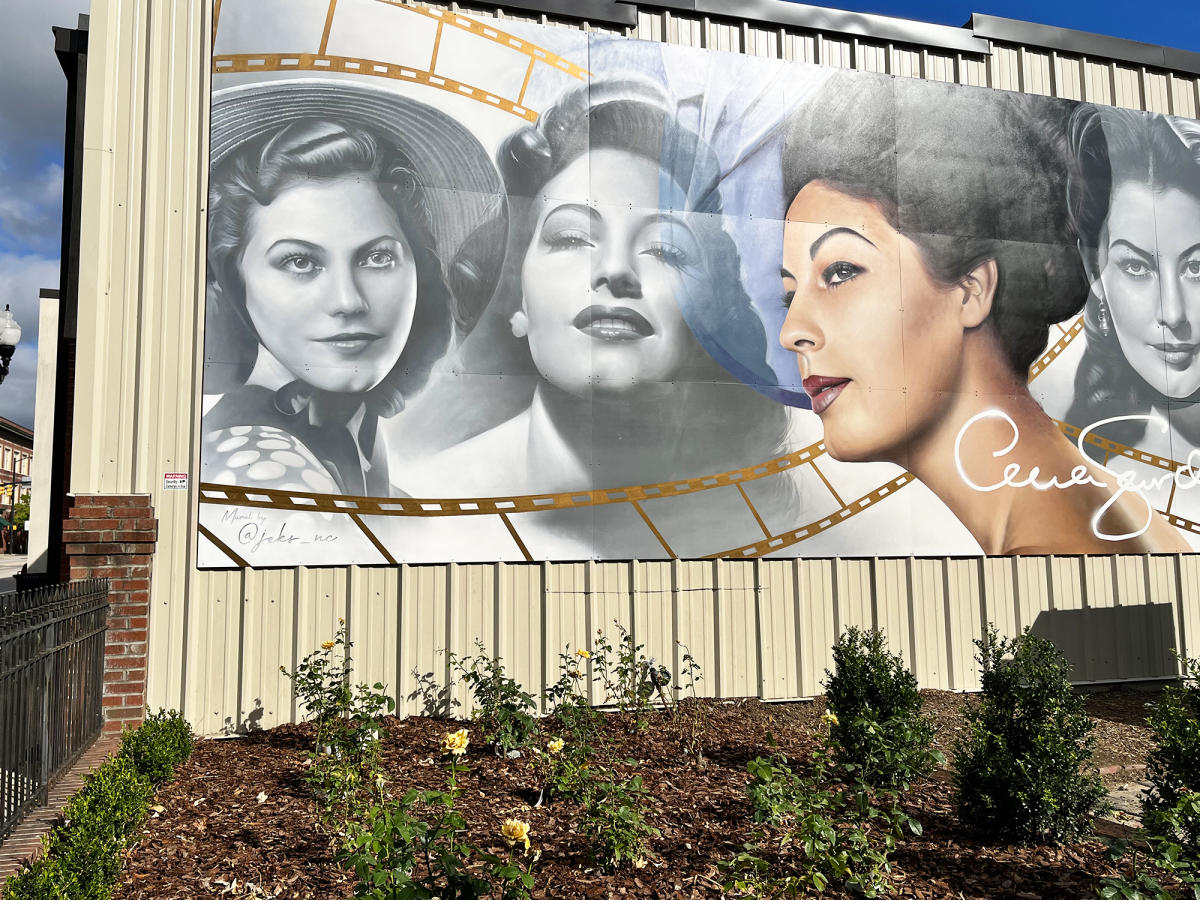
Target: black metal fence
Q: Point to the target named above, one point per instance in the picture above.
(51, 684)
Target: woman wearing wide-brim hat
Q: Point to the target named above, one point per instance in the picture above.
(332, 206)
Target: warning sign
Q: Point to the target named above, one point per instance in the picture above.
(175, 481)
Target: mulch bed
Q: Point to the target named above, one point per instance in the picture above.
(239, 821)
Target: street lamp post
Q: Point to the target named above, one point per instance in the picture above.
(10, 334)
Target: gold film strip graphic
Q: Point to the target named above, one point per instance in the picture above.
(1043, 362)
(1113, 448)
(358, 507)
(322, 61)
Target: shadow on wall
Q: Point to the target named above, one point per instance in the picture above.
(1120, 642)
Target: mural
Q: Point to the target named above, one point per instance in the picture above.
(481, 291)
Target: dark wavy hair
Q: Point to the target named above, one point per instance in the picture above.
(1112, 146)
(255, 174)
(968, 175)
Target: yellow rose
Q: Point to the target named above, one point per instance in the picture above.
(586, 654)
(327, 645)
(515, 832)
(830, 718)
(555, 746)
(456, 742)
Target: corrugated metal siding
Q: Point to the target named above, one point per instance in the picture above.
(759, 628)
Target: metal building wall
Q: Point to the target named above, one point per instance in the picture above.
(758, 628)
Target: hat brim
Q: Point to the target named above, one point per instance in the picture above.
(462, 187)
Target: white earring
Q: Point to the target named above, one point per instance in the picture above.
(519, 323)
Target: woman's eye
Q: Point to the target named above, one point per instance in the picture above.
(788, 297)
(563, 240)
(1191, 269)
(668, 253)
(378, 259)
(298, 264)
(838, 273)
(1134, 268)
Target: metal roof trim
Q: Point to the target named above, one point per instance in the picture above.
(1084, 43)
(974, 38)
(839, 21)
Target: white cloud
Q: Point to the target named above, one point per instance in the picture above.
(21, 279)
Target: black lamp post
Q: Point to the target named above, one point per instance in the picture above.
(10, 334)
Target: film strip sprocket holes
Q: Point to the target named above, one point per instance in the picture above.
(503, 507)
(322, 61)
(1069, 334)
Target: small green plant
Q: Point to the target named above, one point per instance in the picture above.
(818, 830)
(159, 744)
(878, 732)
(689, 714)
(577, 720)
(410, 847)
(631, 680)
(1157, 856)
(614, 820)
(562, 770)
(1173, 766)
(349, 728)
(503, 709)
(1020, 770)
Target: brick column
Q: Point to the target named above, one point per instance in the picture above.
(113, 537)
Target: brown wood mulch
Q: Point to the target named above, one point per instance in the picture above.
(239, 821)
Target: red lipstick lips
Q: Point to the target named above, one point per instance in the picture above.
(823, 390)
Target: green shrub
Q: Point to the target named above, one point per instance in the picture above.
(1173, 766)
(81, 857)
(503, 709)
(1020, 768)
(158, 745)
(877, 731)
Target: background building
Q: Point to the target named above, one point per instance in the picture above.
(211, 641)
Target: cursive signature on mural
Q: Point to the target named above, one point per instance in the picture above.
(1084, 474)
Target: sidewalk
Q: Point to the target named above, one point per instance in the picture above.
(25, 842)
(9, 566)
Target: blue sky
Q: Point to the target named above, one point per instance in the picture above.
(32, 92)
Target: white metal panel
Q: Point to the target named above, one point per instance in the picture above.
(1127, 88)
(871, 58)
(1185, 93)
(906, 62)
(1036, 73)
(1156, 91)
(1005, 67)
(1068, 77)
(780, 626)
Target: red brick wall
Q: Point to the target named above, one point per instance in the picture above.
(113, 537)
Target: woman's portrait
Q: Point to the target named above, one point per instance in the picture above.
(1137, 212)
(328, 302)
(928, 250)
(616, 258)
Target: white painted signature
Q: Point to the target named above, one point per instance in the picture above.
(1185, 478)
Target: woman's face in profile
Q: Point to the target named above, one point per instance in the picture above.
(1149, 277)
(878, 341)
(331, 284)
(602, 282)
